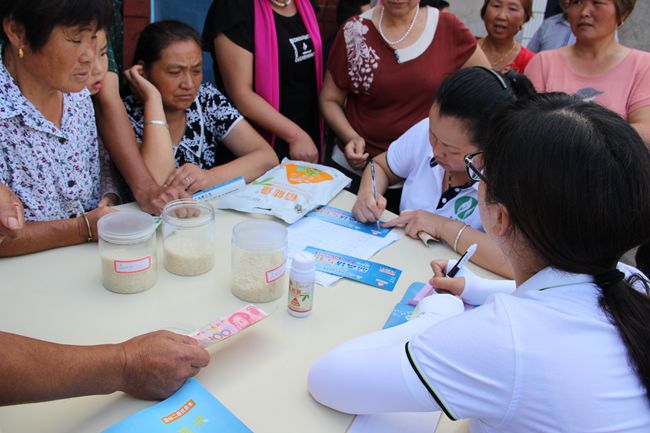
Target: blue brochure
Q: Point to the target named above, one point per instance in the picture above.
(345, 219)
(403, 311)
(192, 409)
(371, 273)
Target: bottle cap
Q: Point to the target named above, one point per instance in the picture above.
(303, 262)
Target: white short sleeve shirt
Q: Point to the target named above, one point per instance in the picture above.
(545, 359)
(408, 157)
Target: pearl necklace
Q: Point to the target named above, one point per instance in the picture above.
(281, 4)
(405, 35)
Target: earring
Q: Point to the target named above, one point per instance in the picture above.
(21, 53)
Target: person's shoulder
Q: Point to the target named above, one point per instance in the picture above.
(639, 56)
(449, 19)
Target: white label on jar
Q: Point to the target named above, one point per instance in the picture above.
(132, 266)
(275, 274)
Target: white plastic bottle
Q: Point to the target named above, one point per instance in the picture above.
(301, 284)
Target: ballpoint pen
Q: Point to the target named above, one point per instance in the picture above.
(374, 184)
(461, 262)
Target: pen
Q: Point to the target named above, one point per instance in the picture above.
(461, 262)
(374, 184)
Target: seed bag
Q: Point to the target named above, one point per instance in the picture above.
(288, 191)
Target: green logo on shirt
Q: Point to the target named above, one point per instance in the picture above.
(465, 206)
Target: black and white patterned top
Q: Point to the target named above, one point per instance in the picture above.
(210, 119)
(54, 171)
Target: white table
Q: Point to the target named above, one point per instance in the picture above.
(259, 375)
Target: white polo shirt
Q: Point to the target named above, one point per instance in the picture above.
(408, 157)
(545, 359)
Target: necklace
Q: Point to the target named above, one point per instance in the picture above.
(404, 36)
(281, 4)
(498, 62)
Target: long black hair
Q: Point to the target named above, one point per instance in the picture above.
(575, 179)
(40, 17)
(474, 95)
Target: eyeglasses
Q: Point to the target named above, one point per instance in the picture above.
(471, 162)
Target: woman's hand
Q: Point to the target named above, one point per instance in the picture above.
(440, 281)
(302, 148)
(142, 88)
(419, 221)
(190, 177)
(11, 213)
(365, 209)
(355, 153)
(93, 216)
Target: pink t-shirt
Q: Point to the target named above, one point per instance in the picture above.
(623, 89)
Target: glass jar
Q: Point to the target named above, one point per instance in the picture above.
(188, 237)
(127, 249)
(259, 258)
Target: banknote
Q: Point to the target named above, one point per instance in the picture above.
(227, 326)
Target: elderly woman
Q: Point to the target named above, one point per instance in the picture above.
(383, 71)
(184, 125)
(48, 138)
(597, 68)
(503, 20)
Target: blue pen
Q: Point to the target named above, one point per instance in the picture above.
(374, 183)
(461, 262)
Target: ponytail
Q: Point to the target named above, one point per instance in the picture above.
(629, 310)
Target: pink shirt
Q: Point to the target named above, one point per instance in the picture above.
(623, 89)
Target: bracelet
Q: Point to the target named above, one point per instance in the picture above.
(460, 232)
(156, 122)
(90, 233)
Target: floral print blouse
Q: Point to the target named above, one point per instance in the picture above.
(54, 171)
(209, 120)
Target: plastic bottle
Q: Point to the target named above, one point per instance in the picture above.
(301, 284)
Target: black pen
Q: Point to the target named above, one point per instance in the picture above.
(461, 262)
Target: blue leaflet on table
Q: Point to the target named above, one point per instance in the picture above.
(364, 271)
(403, 311)
(221, 190)
(346, 219)
(192, 409)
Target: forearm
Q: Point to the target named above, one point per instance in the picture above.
(488, 255)
(34, 370)
(46, 235)
(644, 131)
(251, 166)
(156, 150)
(336, 119)
(381, 181)
(119, 139)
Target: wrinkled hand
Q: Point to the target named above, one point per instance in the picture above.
(418, 221)
(11, 212)
(302, 148)
(365, 209)
(142, 88)
(94, 216)
(155, 199)
(158, 363)
(355, 153)
(440, 281)
(190, 177)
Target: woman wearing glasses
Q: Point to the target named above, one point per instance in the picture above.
(438, 197)
(567, 350)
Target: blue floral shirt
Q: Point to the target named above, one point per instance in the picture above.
(54, 171)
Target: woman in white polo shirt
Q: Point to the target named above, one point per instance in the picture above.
(438, 198)
(564, 192)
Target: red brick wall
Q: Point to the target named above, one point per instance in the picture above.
(136, 18)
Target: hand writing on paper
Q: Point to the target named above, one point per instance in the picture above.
(440, 281)
(365, 209)
(157, 364)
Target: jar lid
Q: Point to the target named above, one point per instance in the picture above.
(188, 213)
(259, 235)
(126, 227)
